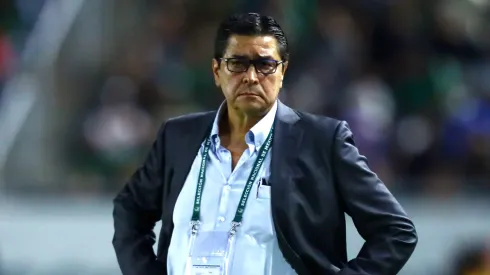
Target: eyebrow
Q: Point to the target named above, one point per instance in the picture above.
(258, 57)
(239, 56)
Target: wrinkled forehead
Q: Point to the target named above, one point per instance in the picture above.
(252, 47)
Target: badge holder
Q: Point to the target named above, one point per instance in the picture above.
(210, 252)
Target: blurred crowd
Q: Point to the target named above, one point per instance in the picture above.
(410, 77)
(472, 259)
(17, 19)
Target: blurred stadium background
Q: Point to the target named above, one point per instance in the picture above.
(84, 85)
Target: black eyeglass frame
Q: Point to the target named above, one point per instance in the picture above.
(252, 62)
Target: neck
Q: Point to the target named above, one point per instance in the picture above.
(236, 124)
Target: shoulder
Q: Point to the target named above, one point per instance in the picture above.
(187, 122)
(325, 132)
(321, 126)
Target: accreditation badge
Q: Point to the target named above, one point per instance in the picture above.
(211, 253)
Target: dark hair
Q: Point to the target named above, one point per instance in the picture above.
(252, 24)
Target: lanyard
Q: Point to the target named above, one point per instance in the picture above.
(264, 149)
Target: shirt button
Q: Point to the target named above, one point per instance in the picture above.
(221, 219)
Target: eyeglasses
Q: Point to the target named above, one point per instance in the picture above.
(240, 65)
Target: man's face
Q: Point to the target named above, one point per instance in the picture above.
(250, 91)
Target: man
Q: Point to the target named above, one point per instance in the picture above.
(256, 187)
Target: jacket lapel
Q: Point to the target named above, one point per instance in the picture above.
(285, 148)
(187, 144)
(287, 138)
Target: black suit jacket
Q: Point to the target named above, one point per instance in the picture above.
(317, 175)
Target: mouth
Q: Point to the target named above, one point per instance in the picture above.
(248, 94)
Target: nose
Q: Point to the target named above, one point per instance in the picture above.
(251, 76)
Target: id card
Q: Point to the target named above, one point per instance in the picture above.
(210, 253)
(205, 270)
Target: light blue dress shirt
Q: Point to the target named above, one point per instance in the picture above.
(256, 250)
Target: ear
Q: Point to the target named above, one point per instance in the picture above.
(284, 67)
(215, 66)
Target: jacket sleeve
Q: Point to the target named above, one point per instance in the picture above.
(390, 236)
(137, 208)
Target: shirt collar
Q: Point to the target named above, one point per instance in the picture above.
(257, 134)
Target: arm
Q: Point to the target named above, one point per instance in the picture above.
(389, 234)
(137, 208)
